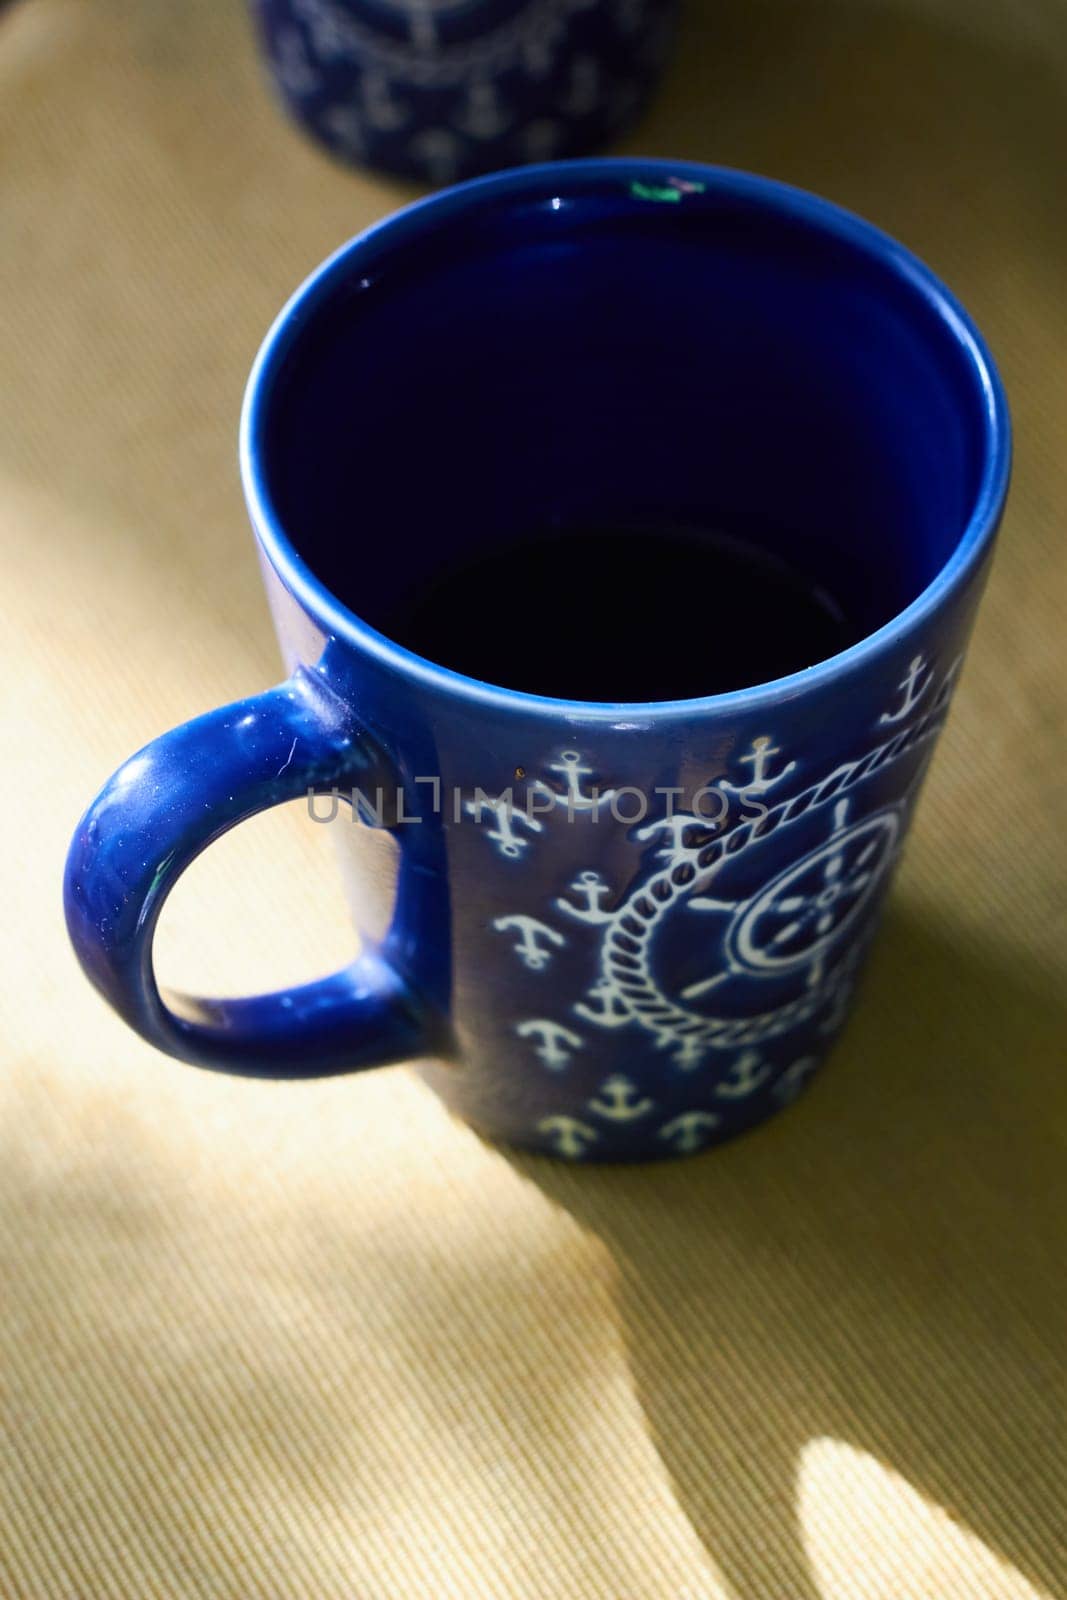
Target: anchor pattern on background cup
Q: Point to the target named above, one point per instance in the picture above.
(804, 923)
(444, 89)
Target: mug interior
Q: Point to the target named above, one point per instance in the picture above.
(622, 347)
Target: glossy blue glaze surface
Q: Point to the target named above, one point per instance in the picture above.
(658, 945)
(159, 810)
(453, 88)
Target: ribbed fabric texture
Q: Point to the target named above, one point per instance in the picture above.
(317, 1342)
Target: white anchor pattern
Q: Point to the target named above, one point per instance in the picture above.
(748, 1073)
(568, 1137)
(591, 886)
(913, 686)
(572, 795)
(505, 817)
(603, 1006)
(618, 1100)
(690, 1131)
(555, 1043)
(759, 757)
(802, 925)
(530, 951)
(443, 89)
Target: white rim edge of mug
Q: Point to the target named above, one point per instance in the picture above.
(339, 621)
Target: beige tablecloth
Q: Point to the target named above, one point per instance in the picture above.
(318, 1341)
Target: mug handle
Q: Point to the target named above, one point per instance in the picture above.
(155, 815)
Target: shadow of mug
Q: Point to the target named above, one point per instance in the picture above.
(876, 1267)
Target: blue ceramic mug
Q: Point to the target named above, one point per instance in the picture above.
(439, 90)
(621, 928)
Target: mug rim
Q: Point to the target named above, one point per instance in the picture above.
(787, 201)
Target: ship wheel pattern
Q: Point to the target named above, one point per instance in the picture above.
(809, 906)
(809, 921)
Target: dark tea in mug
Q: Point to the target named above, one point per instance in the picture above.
(708, 614)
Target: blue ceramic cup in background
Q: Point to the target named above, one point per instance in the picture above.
(620, 930)
(438, 90)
